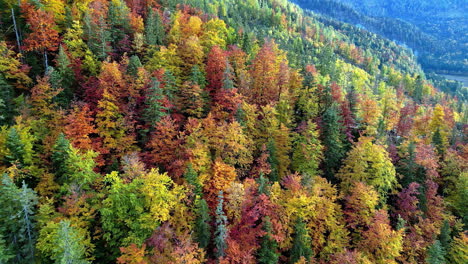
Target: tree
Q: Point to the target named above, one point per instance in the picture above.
(301, 243)
(154, 29)
(134, 64)
(332, 141)
(154, 101)
(215, 67)
(368, 163)
(17, 220)
(435, 254)
(44, 36)
(380, 243)
(268, 252)
(60, 158)
(79, 126)
(191, 177)
(458, 249)
(68, 247)
(63, 77)
(221, 228)
(307, 151)
(202, 227)
(132, 255)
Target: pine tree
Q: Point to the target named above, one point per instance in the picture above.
(202, 227)
(154, 28)
(133, 64)
(17, 223)
(221, 228)
(191, 177)
(435, 254)
(301, 243)
(197, 77)
(69, 248)
(59, 157)
(268, 252)
(333, 139)
(16, 148)
(63, 77)
(154, 104)
(7, 109)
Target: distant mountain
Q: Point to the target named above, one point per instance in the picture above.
(435, 30)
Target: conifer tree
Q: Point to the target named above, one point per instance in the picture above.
(301, 243)
(69, 248)
(155, 109)
(16, 147)
(221, 228)
(191, 177)
(333, 139)
(7, 109)
(202, 227)
(154, 28)
(60, 156)
(133, 64)
(17, 223)
(63, 77)
(268, 252)
(435, 254)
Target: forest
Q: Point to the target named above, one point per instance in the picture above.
(433, 29)
(219, 132)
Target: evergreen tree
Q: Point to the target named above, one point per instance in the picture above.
(197, 77)
(154, 28)
(444, 236)
(7, 109)
(63, 77)
(16, 148)
(191, 177)
(170, 85)
(228, 83)
(69, 248)
(60, 158)
(435, 254)
(273, 160)
(133, 64)
(268, 252)
(154, 106)
(202, 227)
(333, 139)
(438, 141)
(17, 220)
(301, 243)
(221, 228)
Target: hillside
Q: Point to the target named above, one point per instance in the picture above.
(222, 131)
(435, 30)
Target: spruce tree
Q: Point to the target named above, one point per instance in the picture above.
(436, 254)
(273, 160)
(268, 252)
(191, 177)
(16, 148)
(154, 108)
(69, 248)
(17, 220)
(333, 139)
(197, 77)
(221, 228)
(202, 227)
(6, 102)
(133, 64)
(154, 29)
(60, 158)
(301, 243)
(63, 77)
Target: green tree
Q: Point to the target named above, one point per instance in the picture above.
(221, 228)
(17, 223)
(301, 243)
(69, 248)
(268, 252)
(154, 104)
(154, 28)
(202, 227)
(333, 139)
(133, 64)
(435, 254)
(60, 157)
(191, 177)
(7, 109)
(63, 77)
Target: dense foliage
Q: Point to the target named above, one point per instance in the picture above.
(221, 131)
(435, 30)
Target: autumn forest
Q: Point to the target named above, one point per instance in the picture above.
(222, 131)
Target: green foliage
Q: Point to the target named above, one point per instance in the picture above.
(17, 223)
(435, 254)
(301, 243)
(221, 231)
(133, 64)
(191, 177)
(154, 29)
(68, 248)
(333, 139)
(268, 252)
(154, 106)
(202, 227)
